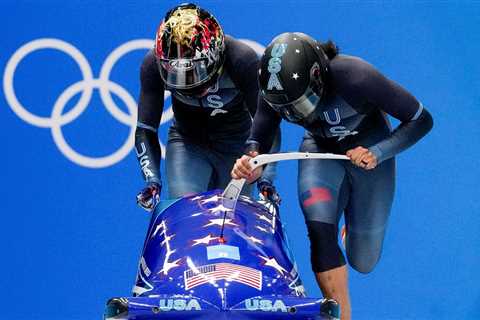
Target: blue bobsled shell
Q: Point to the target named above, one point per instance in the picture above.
(201, 260)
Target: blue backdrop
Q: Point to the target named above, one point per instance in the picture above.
(71, 233)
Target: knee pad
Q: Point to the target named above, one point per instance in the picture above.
(324, 249)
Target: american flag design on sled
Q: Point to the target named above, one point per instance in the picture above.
(223, 271)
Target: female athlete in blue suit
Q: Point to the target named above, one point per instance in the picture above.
(342, 102)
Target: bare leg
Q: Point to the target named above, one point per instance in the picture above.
(334, 285)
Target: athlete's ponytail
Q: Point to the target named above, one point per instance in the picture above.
(330, 49)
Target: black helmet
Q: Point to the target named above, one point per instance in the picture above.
(189, 47)
(292, 75)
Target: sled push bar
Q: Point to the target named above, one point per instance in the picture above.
(234, 188)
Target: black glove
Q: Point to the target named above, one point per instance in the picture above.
(268, 191)
(149, 196)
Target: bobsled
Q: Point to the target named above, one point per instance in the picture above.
(218, 255)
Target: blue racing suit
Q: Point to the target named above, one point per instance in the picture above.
(352, 113)
(208, 134)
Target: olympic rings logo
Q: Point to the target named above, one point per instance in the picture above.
(86, 86)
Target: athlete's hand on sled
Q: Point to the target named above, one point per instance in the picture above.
(362, 158)
(242, 168)
(149, 196)
(268, 191)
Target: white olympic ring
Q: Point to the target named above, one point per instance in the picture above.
(57, 119)
(86, 86)
(57, 129)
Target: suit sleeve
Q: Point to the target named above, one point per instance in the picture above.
(150, 108)
(244, 63)
(265, 127)
(391, 98)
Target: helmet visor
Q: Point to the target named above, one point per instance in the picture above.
(184, 73)
(299, 109)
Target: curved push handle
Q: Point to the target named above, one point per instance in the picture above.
(234, 188)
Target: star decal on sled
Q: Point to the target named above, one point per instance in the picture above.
(220, 208)
(214, 198)
(271, 262)
(169, 265)
(264, 218)
(204, 240)
(255, 240)
(220, 222)
(261, 229)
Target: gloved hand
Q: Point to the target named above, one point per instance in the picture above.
(149, 196)
(268, 191)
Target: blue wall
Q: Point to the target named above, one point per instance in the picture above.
(71, 234)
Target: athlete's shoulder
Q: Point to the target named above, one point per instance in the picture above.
(238, 52)
(149, 73)
(346, 69)
(149, 61)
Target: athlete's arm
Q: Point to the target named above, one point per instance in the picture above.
(265, 125)
(391, 98)
(150, 108)
(243, 62)
(249, 75)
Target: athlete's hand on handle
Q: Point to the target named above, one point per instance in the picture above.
(362, 157)
(149, 196)
(242, 168)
